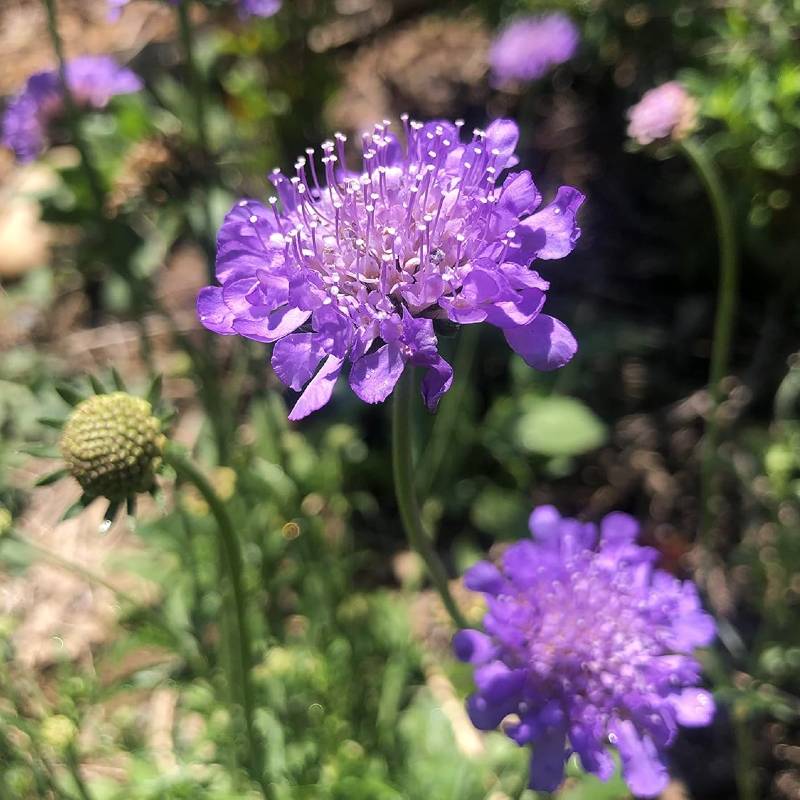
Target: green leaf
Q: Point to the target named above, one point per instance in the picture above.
(154, 392)
(51, 422)
(97, 386)
(560, 426)
(52, 477)
(69, 395)
(119, 384)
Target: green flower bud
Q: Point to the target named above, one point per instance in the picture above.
(112, 444)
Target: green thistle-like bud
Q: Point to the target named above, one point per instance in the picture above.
(112, 445)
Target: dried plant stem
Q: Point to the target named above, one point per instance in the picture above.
(403, 464)
(726, 309)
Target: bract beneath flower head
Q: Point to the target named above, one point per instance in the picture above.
(354, 266)
(588, 645)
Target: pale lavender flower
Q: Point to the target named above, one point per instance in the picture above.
(668, 111)
(587, 645)
(529, 47)
(354, 267)
(92, 81)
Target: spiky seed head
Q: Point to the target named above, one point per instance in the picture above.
(112, 444)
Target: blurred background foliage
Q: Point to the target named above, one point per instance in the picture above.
(357, 695)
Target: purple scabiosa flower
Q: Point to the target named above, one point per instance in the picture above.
(588, 645)
(668, 111)
(92, 80)
(353, 267)
(528, 47)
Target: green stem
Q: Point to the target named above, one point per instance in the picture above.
(241, 655)
(450, 410)
(201, 120)
(71, 109)
(726, 309)
(745, 775)
(403, 465)
(198, 93)
(74, 766)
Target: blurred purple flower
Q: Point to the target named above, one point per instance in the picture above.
(588, 645)
(666, 111)
(528, 47)
(258, 8)
(92, 80)
(356, 265)
(246, 8)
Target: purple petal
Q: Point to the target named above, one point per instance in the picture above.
(374, 376)
(277, 325)
(694, 708)
(592, 752)
(618, 529)
(212, 311)
(486, 715)
(296, 357)
(519, 194)
(548, 759)
(502, 135)
(545, 343)
(557, 221)
(473, 646)
(518, 311)
(497, 682)
(543, 523)
(484, 577)
(437, 379)
(642, 765)
(319, 390)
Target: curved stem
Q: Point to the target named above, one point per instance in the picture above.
(241, 656)
(403, 466)
(726, 309)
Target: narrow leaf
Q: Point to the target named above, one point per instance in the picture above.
(52, 477)
(154, 392)
(97, 386)
(69, 395)
(119, 384)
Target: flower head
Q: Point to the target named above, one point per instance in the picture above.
(112, 444)
(92, 81)
(345, 266)
(529, 47)
(668, 111)
(588, 645)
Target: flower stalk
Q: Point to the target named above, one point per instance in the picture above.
(241, 648)
(726, 310)
(403, 466)
(71, 109)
